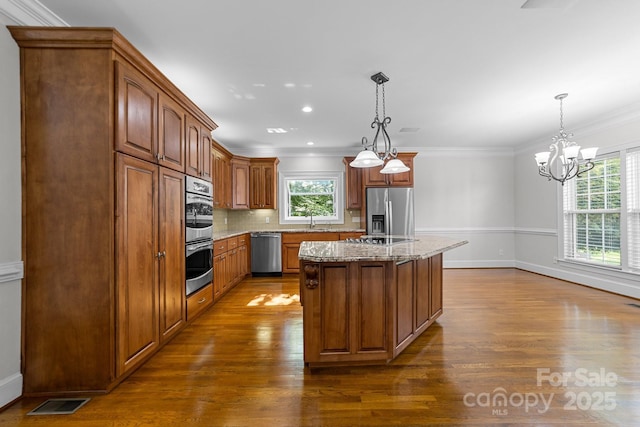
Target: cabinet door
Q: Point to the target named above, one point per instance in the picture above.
(193, 147)
(435, 268)
(269, 185)
(240, 184)
(171, 137)
(256, 188)
(222, 180)
(171, 246)
(372, 316)
(353, 185)
(137, 262)
(136, 114)
(290, 262)
(404, 302)
(219, 275)
(423, 292)
(373, 178)
(205, 154)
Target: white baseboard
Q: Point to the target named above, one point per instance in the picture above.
(10, 389)
(509, 263)
(611, 284)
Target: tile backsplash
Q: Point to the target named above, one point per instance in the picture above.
(256, 219)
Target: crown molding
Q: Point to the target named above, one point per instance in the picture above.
(29, 13)
(615, 118)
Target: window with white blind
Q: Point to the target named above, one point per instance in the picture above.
(633, 208)
(601, 213)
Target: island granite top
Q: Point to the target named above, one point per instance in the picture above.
(341, 251)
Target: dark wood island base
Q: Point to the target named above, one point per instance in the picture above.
(367, 312)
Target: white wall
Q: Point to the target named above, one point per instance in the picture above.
(458, 193)
(10, 224)
(468, 194)
(537, 202)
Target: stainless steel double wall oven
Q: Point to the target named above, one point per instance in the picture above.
(199, 233)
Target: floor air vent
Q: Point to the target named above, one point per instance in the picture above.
(634, 305)
(59, 407)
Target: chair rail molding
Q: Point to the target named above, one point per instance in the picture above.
(11, 271)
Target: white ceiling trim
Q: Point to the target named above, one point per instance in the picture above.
(30, 12)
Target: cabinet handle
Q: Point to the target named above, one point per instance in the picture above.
(202, 300)
(159, 255)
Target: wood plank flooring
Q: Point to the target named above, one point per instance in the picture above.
(496, 356)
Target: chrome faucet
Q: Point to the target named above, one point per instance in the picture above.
(311, 224)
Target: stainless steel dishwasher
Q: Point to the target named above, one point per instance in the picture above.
(266, 254)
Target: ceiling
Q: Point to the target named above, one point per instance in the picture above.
(465, 73)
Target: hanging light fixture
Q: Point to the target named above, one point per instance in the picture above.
(561, 161)
(374, 157)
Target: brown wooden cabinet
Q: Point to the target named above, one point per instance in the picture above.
(372, 177)
(171, 133)
(199, 301)
(198, 149)
(240, 182)
(102, 240)
(348, 314)
(222, 193)
(263, 186)
(171, 244)
(291, 247)
(150, 263)
(367, 312)
(230, 263)
(353, 185)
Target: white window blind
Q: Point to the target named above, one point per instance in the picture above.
(633, 208)
(591, 212)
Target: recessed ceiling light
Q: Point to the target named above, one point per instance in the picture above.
(289, 85)
(276, 130)
(307, 109)
(309, 142)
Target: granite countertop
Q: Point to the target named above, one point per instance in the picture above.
(218, 235)
(420, 248)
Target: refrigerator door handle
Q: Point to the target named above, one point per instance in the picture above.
(389, 230)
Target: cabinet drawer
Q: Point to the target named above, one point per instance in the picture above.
(232, 243)
(220, 247)
(243, 239)
(199, 301)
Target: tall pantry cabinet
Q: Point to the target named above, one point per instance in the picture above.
(103, 163)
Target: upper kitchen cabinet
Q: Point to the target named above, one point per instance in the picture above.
(222, 194)
(103, 237)
(353, 185)
(264, 183)
(171, 133)
(240, 171)
(373, 178)
(198, 149)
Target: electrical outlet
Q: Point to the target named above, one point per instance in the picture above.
(266, 220)
(355, 219)
(225, 220)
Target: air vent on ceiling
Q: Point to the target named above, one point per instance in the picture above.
(548, 4)
(409, 130)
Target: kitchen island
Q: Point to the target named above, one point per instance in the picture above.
(365, 303)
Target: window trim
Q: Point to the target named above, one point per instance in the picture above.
(283, 199)
(624, 270)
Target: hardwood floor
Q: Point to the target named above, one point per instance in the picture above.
(504, 333)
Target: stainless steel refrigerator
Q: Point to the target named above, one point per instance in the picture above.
(390, 211)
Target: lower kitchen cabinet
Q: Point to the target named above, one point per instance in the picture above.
(199, 301)
(150, 268)
(230, 263)
(291, 247)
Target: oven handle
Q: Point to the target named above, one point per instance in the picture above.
(194, 247)
(205, 200)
